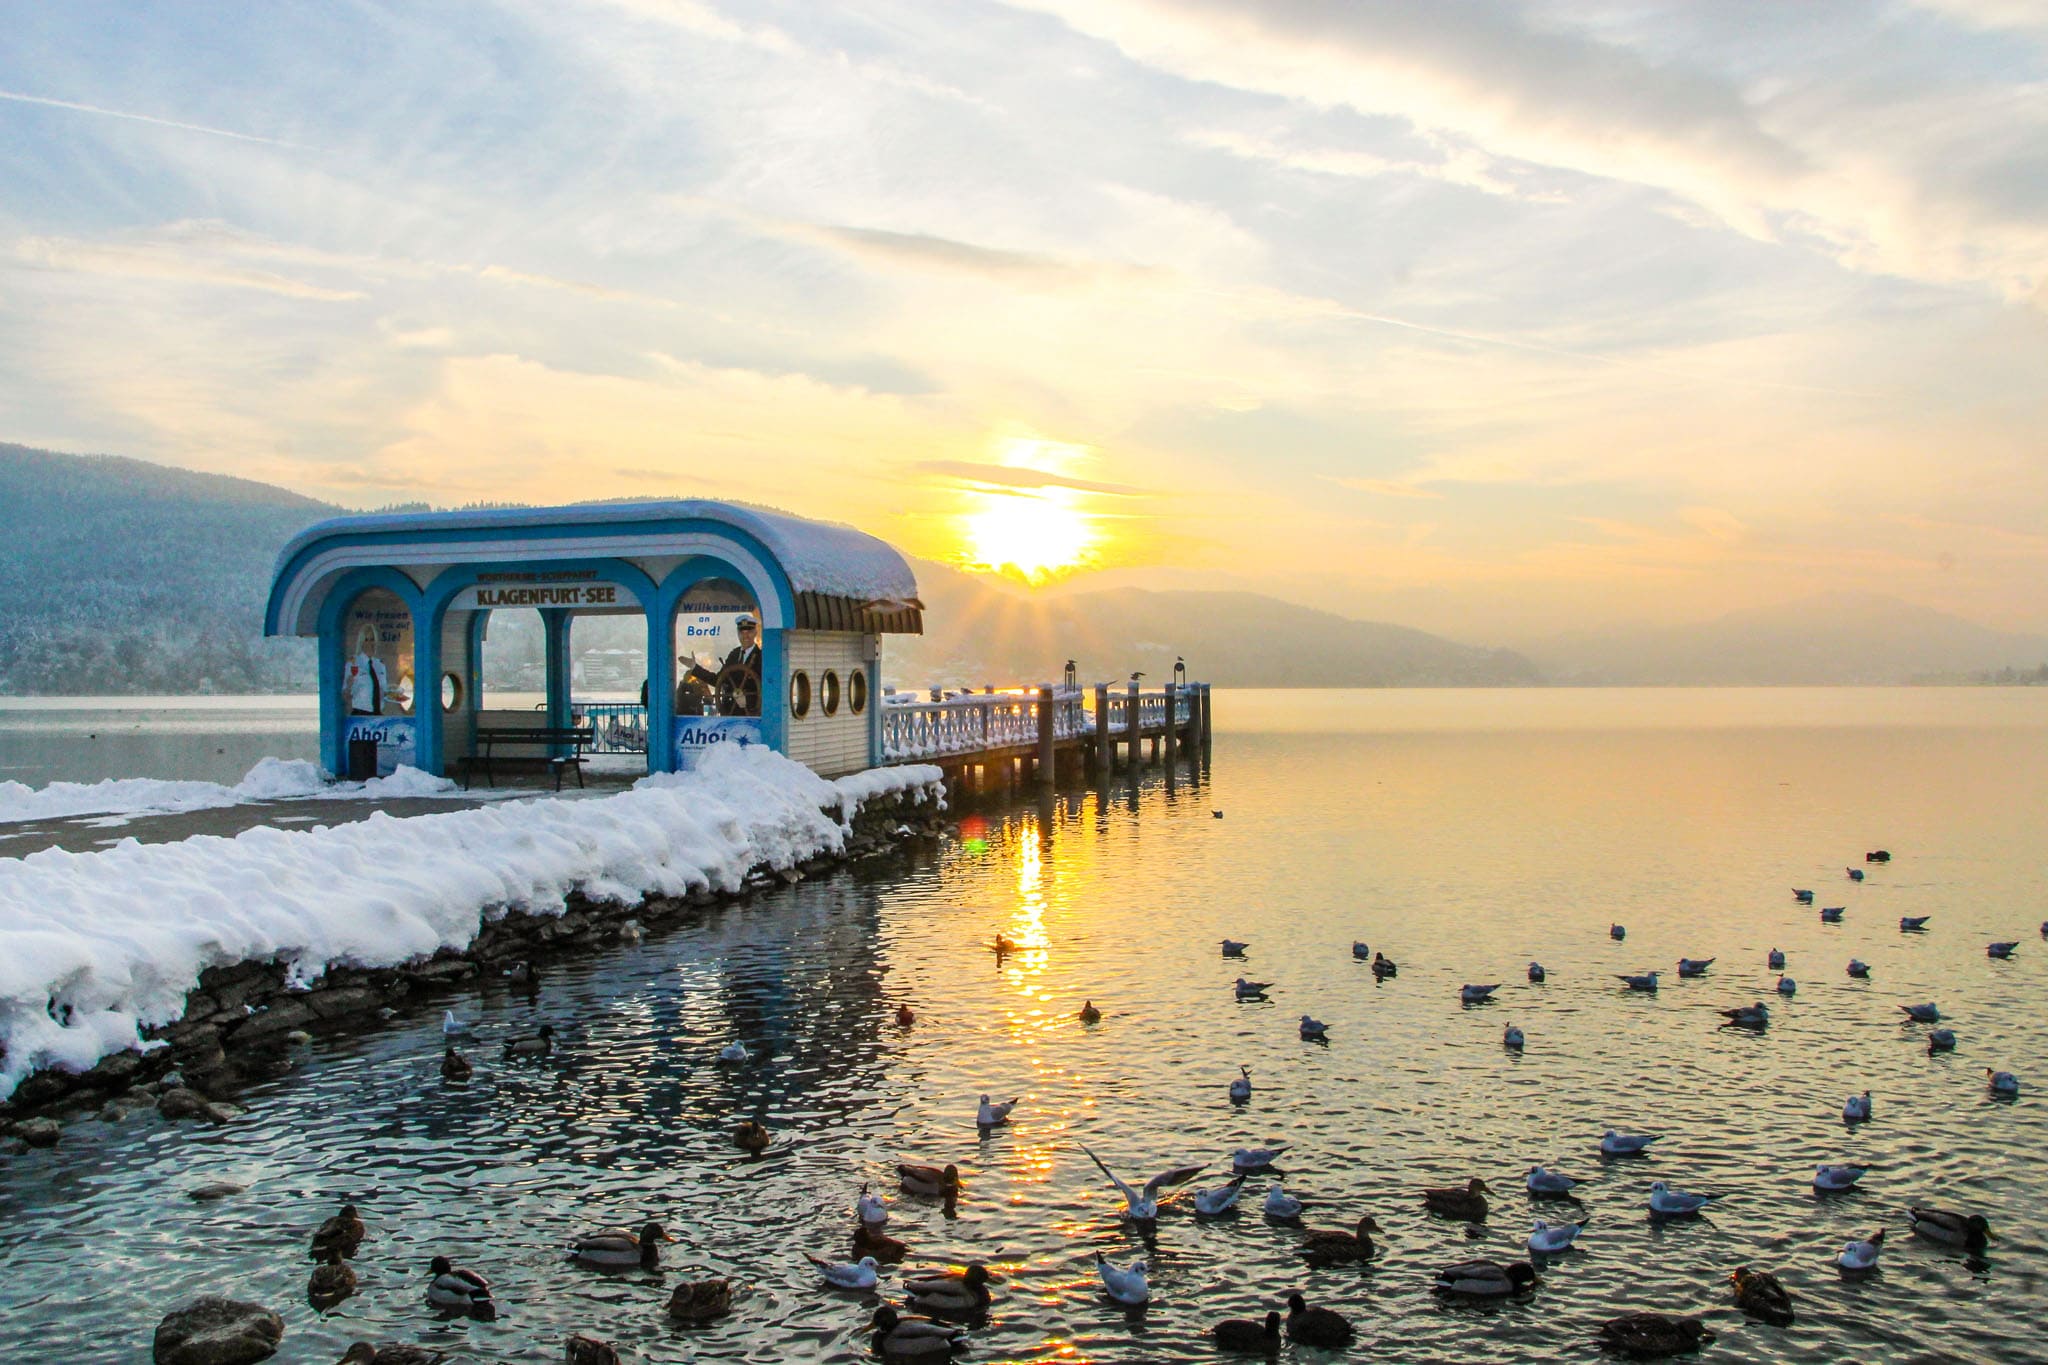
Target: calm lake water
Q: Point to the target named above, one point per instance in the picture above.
(1463, 833)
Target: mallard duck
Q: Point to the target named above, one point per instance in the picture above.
(1485, 1279)
(905, 1016)
(1758, 1293)
(932, 1182)
(700, 1300)
(1467, 1202)
(395, 1353)
(752, 1137)
(621, 1247)
(869, 1240)
(1967, 1230)
(1238, 1334)
(1090, 1014)
(910, 1339)
(1315, 1326)
(455, 1066)
(459, 1289)
(953, 1293)
(584, 1350)
(1330, 1247)
(1650, 1335)
(332, 1282)
(1383, 966)
(538, 1044)
(1004, 945)
(341, 1234)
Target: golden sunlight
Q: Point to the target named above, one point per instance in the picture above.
(1030, 527)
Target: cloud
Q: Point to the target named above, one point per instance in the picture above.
(162, 262)
(1390, 487)
(1011, 476)
(921, 251)
(20, 98)
(1463, 166)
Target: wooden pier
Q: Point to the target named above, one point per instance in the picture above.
(1048, 733)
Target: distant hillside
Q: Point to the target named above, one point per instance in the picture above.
(1828, 640)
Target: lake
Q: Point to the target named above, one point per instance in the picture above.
(1463, 833)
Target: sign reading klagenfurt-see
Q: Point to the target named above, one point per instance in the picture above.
(567, 588)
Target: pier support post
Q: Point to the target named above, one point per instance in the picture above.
(1134, 730)
(1048, 759)
(1171, 742)
(1206, 707)
(1099, 758)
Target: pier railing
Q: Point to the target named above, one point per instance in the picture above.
(990, 723)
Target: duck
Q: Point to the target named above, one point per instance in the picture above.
(1467, 1201)
(1485, 1279)
(1802, 895)
(538, 1044)
(1360, 951)
(908, 1339)
(1627, 1144)
(1878, 855)
(929, 1182)
(1835, 1179)
(1775, 960)
(992, 1115)
(869, 1240)
(1757, 1015)
(1617, 932)
(459, 1288)
(333, 1280)
(341, 1234)
(860, 1274)
(1313, 1029)
(1331, 1247)
(957, 1294)
(700, 1300)
(1316, 1326)
(2003, 1082)
(1221, 1200)
(1861, 1255)
(1252, 990)
(1241, 1088)
(1929, 1013)
(905, 1016)
(1144, 1207)
(1646, 982)
(1856, 1109)
(1968, 1230)
(583, 1350)
(1694, 966)
(1477, 995)
(1003, 945)
(751, 1136)
(2001, 951)
(1511, 1038)
(1234, 947)
(392, 1353)
(1089, 1014)
(1536, 973)
(734, 1051)
(1542, 1182)
(1551, 1239)
(621, 1247)
(868, 1207)
(1941, 1040)
(1125, 1284)
(1787, 986)
(1240, 1334)
(1855, 873)
(1859, 969)
(1666, 1202)
(1252, 1159)
(1832, 914)
(1280, 1205)
(455, 1066)
(1653, 1335)
(1383, 966)
(1913, 924)
(1759, 1294)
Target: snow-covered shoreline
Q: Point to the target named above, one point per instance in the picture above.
(272, 779)
(96, 949)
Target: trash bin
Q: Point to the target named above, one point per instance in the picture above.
(362, 760)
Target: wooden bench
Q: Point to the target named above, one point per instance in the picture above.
(551, 736)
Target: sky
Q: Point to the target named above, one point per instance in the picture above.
(1490, 318)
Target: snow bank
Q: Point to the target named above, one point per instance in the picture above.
(272, 779)
(99, 946)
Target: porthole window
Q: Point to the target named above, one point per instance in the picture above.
(828, 694)
(451, 691)
(857, 692)
(800, 694)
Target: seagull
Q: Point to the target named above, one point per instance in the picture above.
(1541, 1181)
(2003, 1082)
(1859, 969)
(989, 1115)
(1144, 1208)
(1616, 932)
(1922, 1014)
(1234, 948)
(1835, 1179)
(1776, 961)
(1941, 1040)
(873, 1212)
(1856, 1109)
(2001, 950)
(1282, 1205)
(1477, 995)
(1549, 1239)
(1241, 1088)
(1251, 990)
(451, 1027)
(1360, 951)
(1861, 1255)
(1669, 1203)
(1855, 873)
(1313, 1029)
(859, 1274)
(1748, 1016)
(1802, 896)
(1646, 982)
(734, 1051)
(1126, 1285)
(1511, 1037)
(1694, 966)
(1911, 924)
(1536, 972)
(1832, 914)
(1787, 986)
(1626, 1144)
(1216, 815)
(1221, 1200)
(1255, 1158)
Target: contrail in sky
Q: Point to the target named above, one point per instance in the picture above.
(20, 98)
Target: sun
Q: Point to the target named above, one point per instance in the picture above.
(1036, 536)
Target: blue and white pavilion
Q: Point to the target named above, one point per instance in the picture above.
(393, 599)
